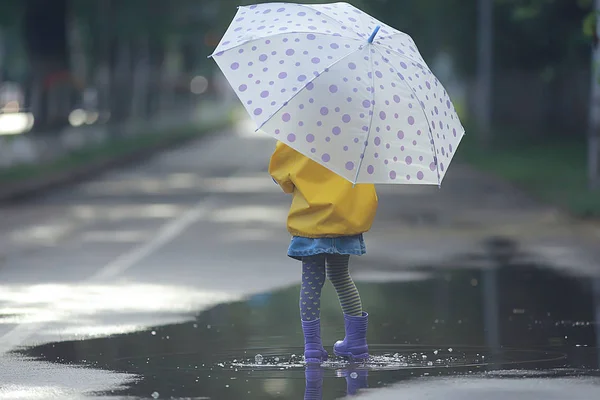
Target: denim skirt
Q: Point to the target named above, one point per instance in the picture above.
(346, 245)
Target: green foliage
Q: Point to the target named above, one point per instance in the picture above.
(529, 34)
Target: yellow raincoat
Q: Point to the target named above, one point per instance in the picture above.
(324, 204)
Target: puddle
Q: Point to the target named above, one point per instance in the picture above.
(522, 321)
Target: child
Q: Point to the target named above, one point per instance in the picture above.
(327, 219)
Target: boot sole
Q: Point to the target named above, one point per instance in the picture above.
(354, 357)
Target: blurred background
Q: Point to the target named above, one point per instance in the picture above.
(504, 254)
(518, 71)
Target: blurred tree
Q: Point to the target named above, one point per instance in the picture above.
(46, 42)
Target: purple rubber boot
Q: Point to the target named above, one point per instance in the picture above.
(314, 353)
(314, 382)
(356, 380)
(354, 345)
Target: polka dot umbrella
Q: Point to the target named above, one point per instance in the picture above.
(342, 88)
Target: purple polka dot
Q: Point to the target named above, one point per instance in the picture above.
(310, 86)
(258, 111)
(397, 98)
(286, 117)
(334, 46)
(235, 66)
(302, 78)
(291, 138)
(352, 65)
(282, 75)
(408, 160)
(264, 94)
(333, 88)
(349, 165)
(290, 52)
(400, 135)
(382, 115)
(411, 120)
(379, 74)
(420, 175)
(366, 104)
(243, 88)
(263, 57)
(324, 111)
(310, 138)
(432, 166)
(336, 130)
(393, 175)
(403, 65)
(346, 118)
(316, 60)
(370, 169)
(326, 157)
(301, 14)
(310, 36)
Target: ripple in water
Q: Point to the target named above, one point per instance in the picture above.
(387, 360)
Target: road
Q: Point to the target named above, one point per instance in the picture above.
(169, 278)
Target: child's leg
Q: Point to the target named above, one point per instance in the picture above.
(354, 344)
(313, 279)
(339, 275)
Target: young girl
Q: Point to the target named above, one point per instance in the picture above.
(327, 220)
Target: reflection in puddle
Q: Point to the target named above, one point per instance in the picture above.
(431, 327)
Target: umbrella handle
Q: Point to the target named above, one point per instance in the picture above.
(374, 33)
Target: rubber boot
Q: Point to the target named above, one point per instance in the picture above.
(314, 382)
(313, 346)
(356, 380)
(354, 345)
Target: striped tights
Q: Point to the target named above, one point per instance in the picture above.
(335, 267)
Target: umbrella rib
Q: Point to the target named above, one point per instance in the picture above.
(403, 55)
(274, 35)
(331, 18)
(360, 162)
(304, 87)
(437, 164)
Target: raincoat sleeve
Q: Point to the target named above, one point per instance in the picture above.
(281, 165)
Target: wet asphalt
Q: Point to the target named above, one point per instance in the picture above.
(169, 280)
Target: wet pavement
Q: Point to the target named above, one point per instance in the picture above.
(169, 280)
(435, 327)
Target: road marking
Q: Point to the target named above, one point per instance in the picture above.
(166, 234)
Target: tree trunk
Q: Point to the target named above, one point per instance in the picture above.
(46, 40)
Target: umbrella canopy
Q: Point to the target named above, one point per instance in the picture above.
(342, 88)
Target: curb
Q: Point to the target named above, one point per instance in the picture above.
(31, 187)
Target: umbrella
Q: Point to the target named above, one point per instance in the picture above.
(342, 88)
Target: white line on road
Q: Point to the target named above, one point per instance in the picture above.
(166, 234)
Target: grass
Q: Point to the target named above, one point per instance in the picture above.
(552, 170)
(113, 147)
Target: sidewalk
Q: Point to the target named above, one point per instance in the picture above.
(417, 225)
(78, 153)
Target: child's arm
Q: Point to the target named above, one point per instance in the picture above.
(280, 166)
